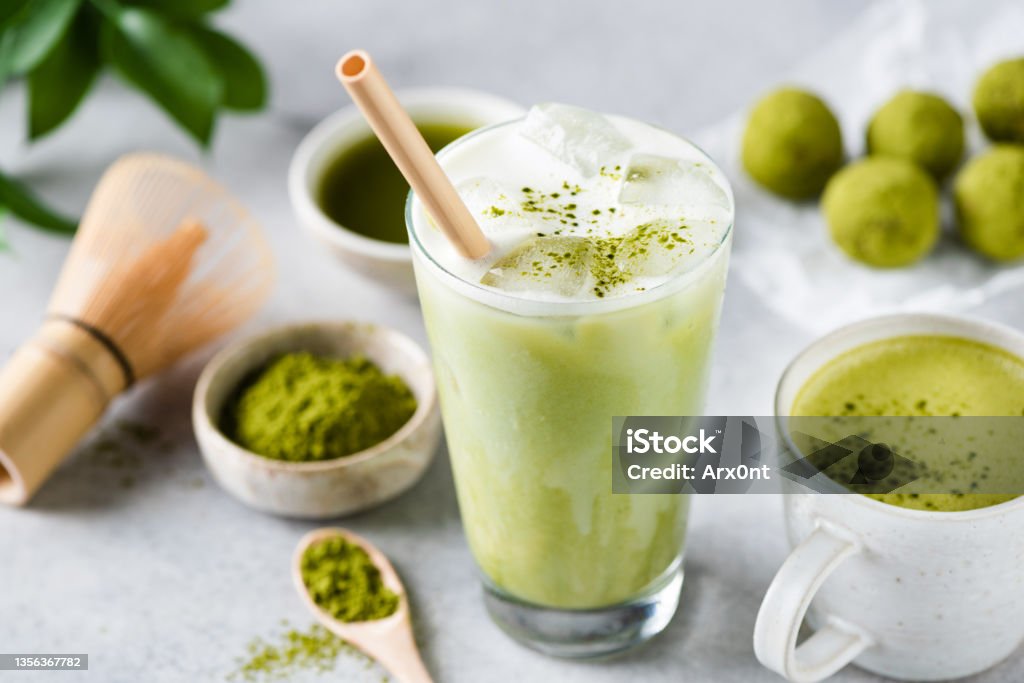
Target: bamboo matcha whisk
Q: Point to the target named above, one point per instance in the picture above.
(164, 261)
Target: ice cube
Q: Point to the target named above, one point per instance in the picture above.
(487, 199)
(583, 139)
(689, 185)
(496, 207)
(653, 249)
(554, 264)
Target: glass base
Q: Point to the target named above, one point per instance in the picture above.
(588, 633)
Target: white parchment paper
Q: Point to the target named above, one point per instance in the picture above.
(782, 249)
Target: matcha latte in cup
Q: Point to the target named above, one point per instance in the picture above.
(923, 582)
(600, 296)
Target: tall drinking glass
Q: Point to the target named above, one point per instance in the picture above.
(528, 390)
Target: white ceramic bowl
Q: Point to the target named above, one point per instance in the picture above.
(385, 262)
(328, 488)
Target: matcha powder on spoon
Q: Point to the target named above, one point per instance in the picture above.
(304, 408)
(345, 583)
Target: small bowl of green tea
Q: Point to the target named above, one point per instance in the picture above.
(318, 420)
(347, 192)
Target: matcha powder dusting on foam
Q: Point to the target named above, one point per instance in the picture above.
(584, 207)
(344, 581)
(302, 407)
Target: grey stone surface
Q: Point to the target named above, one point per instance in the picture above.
(159, 575)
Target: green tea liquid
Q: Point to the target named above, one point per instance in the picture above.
(920, 376)
(362, 190)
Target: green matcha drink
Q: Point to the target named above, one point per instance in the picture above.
(362, 189)
(921, 375)
(600, 298)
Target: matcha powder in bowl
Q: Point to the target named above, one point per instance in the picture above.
(305, 408)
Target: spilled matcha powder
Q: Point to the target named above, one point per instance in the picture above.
(315, 649)
(120, 448)
(303, 408)
(344, 581)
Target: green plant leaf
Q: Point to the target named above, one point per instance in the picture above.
(160, 59)
(37, 30)
(6, 54)
(244, 86)
(4, 246)
(58, 84)
(10, 11)
(26, 206)
(180, 9)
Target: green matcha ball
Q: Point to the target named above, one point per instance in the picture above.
(882, 211)
(989, 195)
(918, 127)
(999, 101)
(792, 144)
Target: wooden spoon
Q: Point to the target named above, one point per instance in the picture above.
(388, 640)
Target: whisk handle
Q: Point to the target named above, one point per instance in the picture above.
(52, 391)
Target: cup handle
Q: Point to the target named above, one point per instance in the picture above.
(785, 605)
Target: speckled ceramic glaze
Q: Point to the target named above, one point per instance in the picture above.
(911, 594)
(329, 488)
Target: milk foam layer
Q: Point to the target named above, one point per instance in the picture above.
(644, 208)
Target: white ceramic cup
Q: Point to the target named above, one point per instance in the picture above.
(388, 263)
(911, 594)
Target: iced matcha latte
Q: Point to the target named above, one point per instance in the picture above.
(600, 297)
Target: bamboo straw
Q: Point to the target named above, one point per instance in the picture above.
(410, 152)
